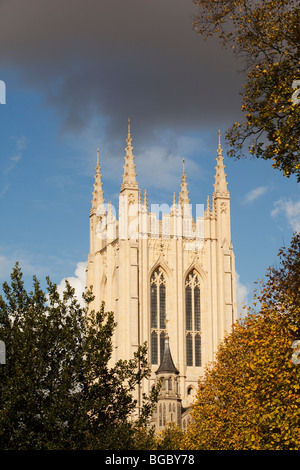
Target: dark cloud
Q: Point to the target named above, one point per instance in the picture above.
(117, 58)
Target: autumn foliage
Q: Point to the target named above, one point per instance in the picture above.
(249, 397)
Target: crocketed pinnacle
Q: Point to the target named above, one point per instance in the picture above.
(184, 193)
(98, 198)
(129, 175)
(220, 176)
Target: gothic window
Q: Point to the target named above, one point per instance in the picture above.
(158, 314)
(193, 319)
(189, 349)
(154, 347)
(197, 350)
(162, 344)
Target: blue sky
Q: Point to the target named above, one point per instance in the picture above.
(50, 132)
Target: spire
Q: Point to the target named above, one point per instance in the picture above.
(167, 364)
(219, 147)
(98, 192)
(220, 176)
(184, 193)
(129, 175)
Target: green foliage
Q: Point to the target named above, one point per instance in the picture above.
(249, 397)
(57, 390)
(265, 34)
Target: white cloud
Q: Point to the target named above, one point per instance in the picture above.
(255, 194)
(290, 209)
(6, 265)
(157, 166)
(242, 293)
(27, 262)
(160, 168)
(20, 145)
(78, 282)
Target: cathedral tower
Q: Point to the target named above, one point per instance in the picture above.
(175, 271)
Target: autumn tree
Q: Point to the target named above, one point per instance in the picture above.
(57, 390)
(265, 34)
(249, 397)
(170, 438)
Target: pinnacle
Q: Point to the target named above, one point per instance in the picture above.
(220, 176)
(98, 192)
(184, 193)
(129, 175)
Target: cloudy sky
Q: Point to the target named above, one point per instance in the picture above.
(74, 72)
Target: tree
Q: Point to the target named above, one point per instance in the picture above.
(170, 438)
(250, 396)
(57, 390)
(265, 34)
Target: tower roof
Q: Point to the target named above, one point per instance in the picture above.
(167, 364)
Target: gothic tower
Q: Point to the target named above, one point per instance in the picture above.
(172, 270)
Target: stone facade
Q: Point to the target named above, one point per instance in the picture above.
(167, 279)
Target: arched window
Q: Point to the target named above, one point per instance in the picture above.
(154, 347)
(189, 349)
(193, 319)
(158, 314)
(197, 350)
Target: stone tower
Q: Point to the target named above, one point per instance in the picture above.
(151, 268)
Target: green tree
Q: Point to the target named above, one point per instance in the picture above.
(265, 34)
(250, 396)
(57, 390)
